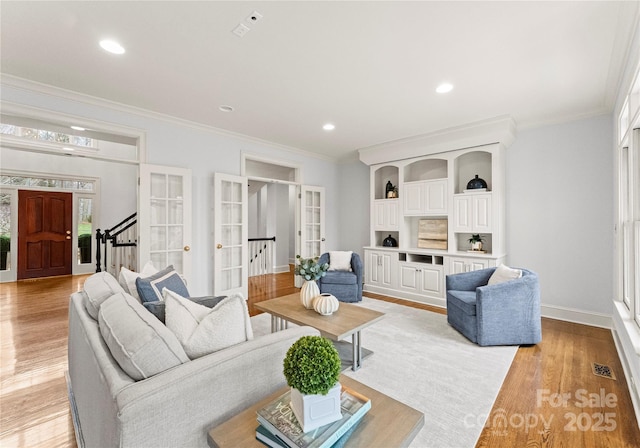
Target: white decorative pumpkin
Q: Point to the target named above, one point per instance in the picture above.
(326, 304)
(308, 292)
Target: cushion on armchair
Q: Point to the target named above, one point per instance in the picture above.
(504, 274)
(340, 260)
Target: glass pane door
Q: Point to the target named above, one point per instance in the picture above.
(312, 222)
(165, 217)
(230, 235)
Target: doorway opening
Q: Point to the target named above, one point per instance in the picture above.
(52, 152)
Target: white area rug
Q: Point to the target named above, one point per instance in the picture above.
(420, 360)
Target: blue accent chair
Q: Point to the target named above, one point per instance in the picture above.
(502, 314)
(344, 285)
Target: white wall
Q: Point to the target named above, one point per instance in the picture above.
(174, 143)
(559, 212)
(118, 181)
(353, 213)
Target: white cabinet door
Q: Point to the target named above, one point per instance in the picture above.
(432, 279)
(379, 212)
(462, 214)
(472, 213)
(380, 269)
(385, 214)
(458, 265)
(164, 213)
(436, 197)
(392, 214)
(476, 265)
(422, 278)
(374, 273)
(413, 193)
(409, 278)
(387, 276)
(482, 213)
(427, 197)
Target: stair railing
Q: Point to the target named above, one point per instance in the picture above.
(261, 255)
(122, 241)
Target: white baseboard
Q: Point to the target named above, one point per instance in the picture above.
(281, 269)
(576, 316)
(434, 301)
(553, 312)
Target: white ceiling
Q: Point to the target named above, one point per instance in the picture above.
(371, 68)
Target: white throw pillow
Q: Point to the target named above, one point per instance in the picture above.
(203, 330)
(127, 278)
(504, 274)
(140, 344)
(340, 260)
(98, 288)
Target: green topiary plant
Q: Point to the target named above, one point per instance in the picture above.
(312, 365)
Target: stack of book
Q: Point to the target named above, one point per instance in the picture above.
(279, 427)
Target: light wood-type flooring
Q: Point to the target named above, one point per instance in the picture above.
(550, 397)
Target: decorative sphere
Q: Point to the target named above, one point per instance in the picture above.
(326, 304)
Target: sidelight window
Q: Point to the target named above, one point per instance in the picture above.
(5, 232)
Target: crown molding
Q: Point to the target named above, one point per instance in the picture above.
(529, 125)
(500, 129)
(58, 92)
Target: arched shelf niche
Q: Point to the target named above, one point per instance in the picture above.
(425, 169)
(384, 174)
(468, 165)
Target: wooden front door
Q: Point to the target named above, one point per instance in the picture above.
(44, 233)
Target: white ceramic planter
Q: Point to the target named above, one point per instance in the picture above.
(308, 292)
(326, 304)
(313, 411)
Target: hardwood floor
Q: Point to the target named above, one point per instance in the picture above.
(550, 397)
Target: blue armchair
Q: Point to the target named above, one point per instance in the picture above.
(502, 314)
(346, 286)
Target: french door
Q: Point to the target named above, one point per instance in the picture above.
(164, 217)
(310, 241)
(312, 231)
(230, 235)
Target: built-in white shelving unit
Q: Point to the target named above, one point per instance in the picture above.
(431, 173)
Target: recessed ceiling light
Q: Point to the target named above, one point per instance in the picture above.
(67, 149)
(112, 46)
(329, 127)
(444, 88)
(78, 128)
(225, 108)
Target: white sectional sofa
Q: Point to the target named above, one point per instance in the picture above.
(175, 407)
